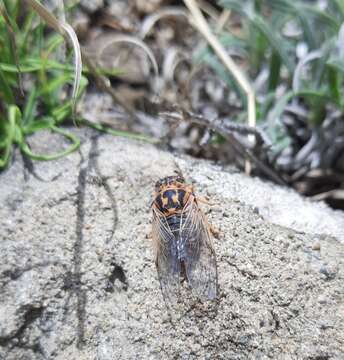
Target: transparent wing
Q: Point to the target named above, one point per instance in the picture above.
(166, 258)
(200, 262)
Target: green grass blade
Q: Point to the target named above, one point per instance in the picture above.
(8, 133)
(38, 125)
(235, 5)
(334, 80)
(120, 133)
(336, 63)
(72, 138)
(66, 30)
(279, 107)
(30, 106)
(340, 6)
(275, 40)
(5, 89)
(274, 71)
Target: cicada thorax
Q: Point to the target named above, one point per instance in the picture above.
(172, 200)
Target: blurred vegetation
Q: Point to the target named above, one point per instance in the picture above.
(278, 40)
(33, 94)
(290, 51)
(36, 79)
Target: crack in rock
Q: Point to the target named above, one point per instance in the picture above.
(30, 316)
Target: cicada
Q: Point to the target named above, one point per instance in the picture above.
(182, 241)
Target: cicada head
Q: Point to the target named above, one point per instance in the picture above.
(175, 180)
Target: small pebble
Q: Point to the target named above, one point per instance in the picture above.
(329, 271)
(316, 246)
(322, 299)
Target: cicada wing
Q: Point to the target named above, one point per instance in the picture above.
(200, 263)
(166, 258)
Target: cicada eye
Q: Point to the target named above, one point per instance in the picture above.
(181, 179)
(158, 185)
(179, 176)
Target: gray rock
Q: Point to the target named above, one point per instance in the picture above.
(92, 5)
(78, 281)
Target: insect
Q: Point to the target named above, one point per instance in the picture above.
(182, 241)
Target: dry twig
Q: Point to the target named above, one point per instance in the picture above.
(228, 132)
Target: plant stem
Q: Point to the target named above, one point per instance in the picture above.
(202, 26)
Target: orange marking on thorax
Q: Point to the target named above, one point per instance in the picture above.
(175, 198)
(173, 203)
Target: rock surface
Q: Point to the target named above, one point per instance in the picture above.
(78, 280)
